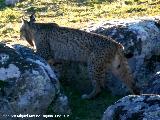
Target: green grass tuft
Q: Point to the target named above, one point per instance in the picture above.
(87, 109)
(2, 84)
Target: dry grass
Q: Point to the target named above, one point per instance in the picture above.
(72, 13)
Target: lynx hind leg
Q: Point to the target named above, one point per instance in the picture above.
(96, 71)
(121, 69)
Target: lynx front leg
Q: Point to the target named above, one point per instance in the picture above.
(96, 71)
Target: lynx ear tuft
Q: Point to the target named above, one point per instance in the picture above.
(32, 18)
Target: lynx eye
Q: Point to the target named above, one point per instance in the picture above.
(118, 66)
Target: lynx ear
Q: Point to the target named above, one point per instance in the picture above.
(24, 21)
(32, 18)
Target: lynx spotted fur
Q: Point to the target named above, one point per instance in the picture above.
(101, 53)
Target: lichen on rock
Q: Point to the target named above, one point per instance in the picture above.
(134, 107)
(141, 40)
(30, 83)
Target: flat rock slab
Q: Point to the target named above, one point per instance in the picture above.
(132, 107)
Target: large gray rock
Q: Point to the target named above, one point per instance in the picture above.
(27, 84)
(141, 39)
(11, 2)
(144, 107)
(153, 86)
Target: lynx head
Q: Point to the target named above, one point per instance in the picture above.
(26, 31)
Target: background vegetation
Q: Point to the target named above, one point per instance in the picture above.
(73, 13)
(77, 14)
